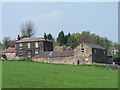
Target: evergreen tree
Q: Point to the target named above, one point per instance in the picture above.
(60, 38)
(49, 36)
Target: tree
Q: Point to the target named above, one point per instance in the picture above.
(116, 58)
(66, 38)
(49, 36)
(1, 46)
(117, 46)
(77, 37)
(27, 29)
(72, 42)
(6, 41)
(107, 44)
(60, 38)
(11, 43)
(87, 37)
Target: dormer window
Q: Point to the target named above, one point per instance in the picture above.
(82, 50)
(28, 45)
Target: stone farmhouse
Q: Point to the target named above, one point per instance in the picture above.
(29, 47)
(41, 50)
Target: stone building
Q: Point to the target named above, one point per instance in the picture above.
(87, 53)
(9, 53)
(84, 53)
(56, 57)
(29, 47)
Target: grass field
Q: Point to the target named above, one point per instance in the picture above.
(24, 74)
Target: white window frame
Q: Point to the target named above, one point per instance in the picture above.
(36, 52)
(28, 45)
(29, 54)
(20, 44)
(36, 44)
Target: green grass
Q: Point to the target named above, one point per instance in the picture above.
(25, 74)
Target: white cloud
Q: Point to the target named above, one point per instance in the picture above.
(45, 17)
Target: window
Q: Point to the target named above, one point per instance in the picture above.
(29, 54)
(42, 50)
(104, 53)
(95, 52)
(36, 44)
(82, 50)
(50, 54)
(86, 60)
(28, 44)
(20, 44)
(20, 53)
(36, 52)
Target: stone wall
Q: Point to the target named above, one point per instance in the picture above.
(10, 56)
(56, 60)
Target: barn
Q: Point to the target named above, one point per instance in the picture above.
(85, 53)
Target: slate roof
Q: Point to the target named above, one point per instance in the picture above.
(9, 50)
(48, 54)
(94, 46)
(31, 39)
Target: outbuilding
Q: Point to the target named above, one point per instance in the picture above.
(9, 54)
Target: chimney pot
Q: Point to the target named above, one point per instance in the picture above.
(18, 37)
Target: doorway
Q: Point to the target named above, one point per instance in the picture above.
(78, 62)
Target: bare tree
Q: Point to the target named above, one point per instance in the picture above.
(27, 29)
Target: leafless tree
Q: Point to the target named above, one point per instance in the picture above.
(27, 29)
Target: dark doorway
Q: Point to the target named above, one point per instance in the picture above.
(78, 62)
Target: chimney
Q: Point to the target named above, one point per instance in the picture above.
(18, 38)
(45, 37)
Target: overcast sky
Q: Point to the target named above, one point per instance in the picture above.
(97, 17)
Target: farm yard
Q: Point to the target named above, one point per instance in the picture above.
(27, 74)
